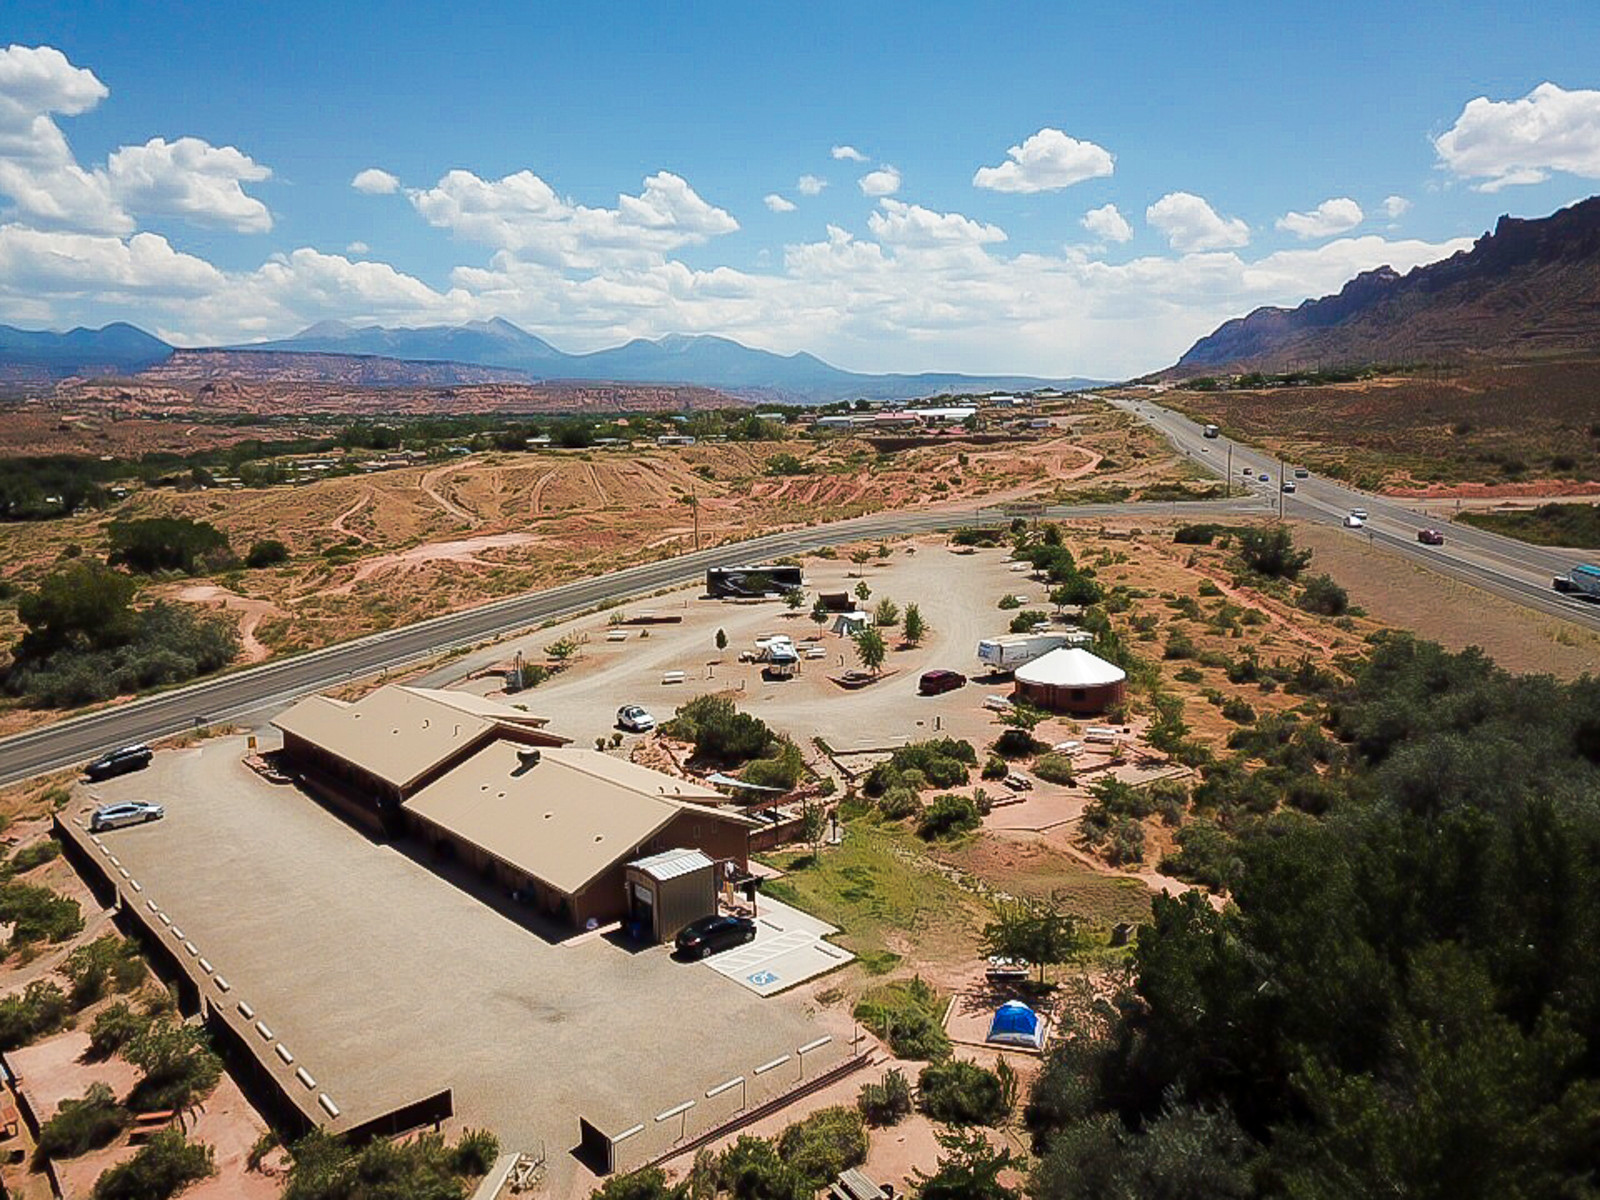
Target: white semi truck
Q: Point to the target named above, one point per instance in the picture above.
(1010, 651)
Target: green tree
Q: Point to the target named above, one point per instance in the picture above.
(154, 544)
(959, 1092)
(177, 1064)
(722, 640)
(85, 605)
(267, 553)
(1323, 595)
(82, 1125)
(819, 612)
(562, 649)
(969, 1169)
(163, 1167)
(914, 627)
(1039, 933)
(870, 648)
(887, 614)
(863, 592)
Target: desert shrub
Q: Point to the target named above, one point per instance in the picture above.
(1125, 842)
(107, 963)
(907, 1014)
(177, 1063)
(1236, 709)
(114, 1027)
(828, 1141)
(32, 857)
(948, 817)
(1270, 552)
(996, 767)
(1205, 855)
(719, 731)
(154, 544)
(37, 914)
(475, 1153)
(1179, 645)
(1196, 535)
(977, 537)
(324, 1167)
(1188, 675)
(959, 1092)
(1017, 743)
(898, 803)
(1322, 595)
(84, 1124)
(163, 1167)
(1008, 602)
(1054, 768)
(648, 1184)
(886, 1102)
(1025, 620)
(267, 553)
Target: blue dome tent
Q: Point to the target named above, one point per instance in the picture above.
(1015, 1024)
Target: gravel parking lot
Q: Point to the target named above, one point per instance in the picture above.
(389, 982)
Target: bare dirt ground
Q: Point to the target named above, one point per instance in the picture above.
(1405, 595)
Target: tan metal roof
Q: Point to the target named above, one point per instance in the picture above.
(564, 818)
(393, 733)
(480, 706)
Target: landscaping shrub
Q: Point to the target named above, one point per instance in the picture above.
(1125, 843)
(323, 1167)
(108, 962)
(940, 762)
(1008, 602)
(948, 817)
(37, 914)
(783, 769)
(84, 1124)
(1025, 620)
(886, 1102)
(475, 1153)
(959, 1092)
(114, 1027)
(163, 1167)
(752, 1169)
(977, 537)
(32, 857)
(907, 1014)
(1015, 743)
(828, 1141)
(40, 1009)
(720, 732)
(1205, 855)
(177, 1063)
(1054, 768)
(996, 767)
(898, 803)
(648, 1184)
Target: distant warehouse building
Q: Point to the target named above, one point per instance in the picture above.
(1071, 681)
(487, 786)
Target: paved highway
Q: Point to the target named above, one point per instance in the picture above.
(251, 690)
(1506, 567)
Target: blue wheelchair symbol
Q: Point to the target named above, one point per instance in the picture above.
(763, 978)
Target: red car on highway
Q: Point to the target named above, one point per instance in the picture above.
(1430, 537)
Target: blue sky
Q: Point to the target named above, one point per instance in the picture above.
(957, 240)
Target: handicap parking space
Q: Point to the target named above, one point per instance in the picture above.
(789, 949)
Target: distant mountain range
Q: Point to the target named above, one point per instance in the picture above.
(479, 351)
(1529, 289)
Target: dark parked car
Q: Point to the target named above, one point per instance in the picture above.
(711, 934)
(119, 762)
(934, 683)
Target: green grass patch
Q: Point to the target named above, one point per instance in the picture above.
(1576, 525)
(880, 890)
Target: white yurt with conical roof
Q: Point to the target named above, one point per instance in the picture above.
(1071, 680)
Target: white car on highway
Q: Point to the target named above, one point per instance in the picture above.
(1353, 522)
(635, 719)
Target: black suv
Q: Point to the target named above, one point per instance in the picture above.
(119, 762)
(710, 934)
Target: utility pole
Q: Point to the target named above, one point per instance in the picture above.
(694, 505)
(1280, 489)
(1230, 470)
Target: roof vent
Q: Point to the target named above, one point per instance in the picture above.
(528, 758)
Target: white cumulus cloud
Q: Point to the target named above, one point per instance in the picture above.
(900, 224)
(1047, 162)
(1510, 142)
(375, 181)
(810, 185)
(1338, 215)
(777, 203)
(1189, 223)
(358, 248)
(885, 181)
(849, 154)
(1108, 224)
(1395, 207)
(192, 179)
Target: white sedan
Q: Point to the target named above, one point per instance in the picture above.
(635, 719)
(1353, 522)
(115, 816)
